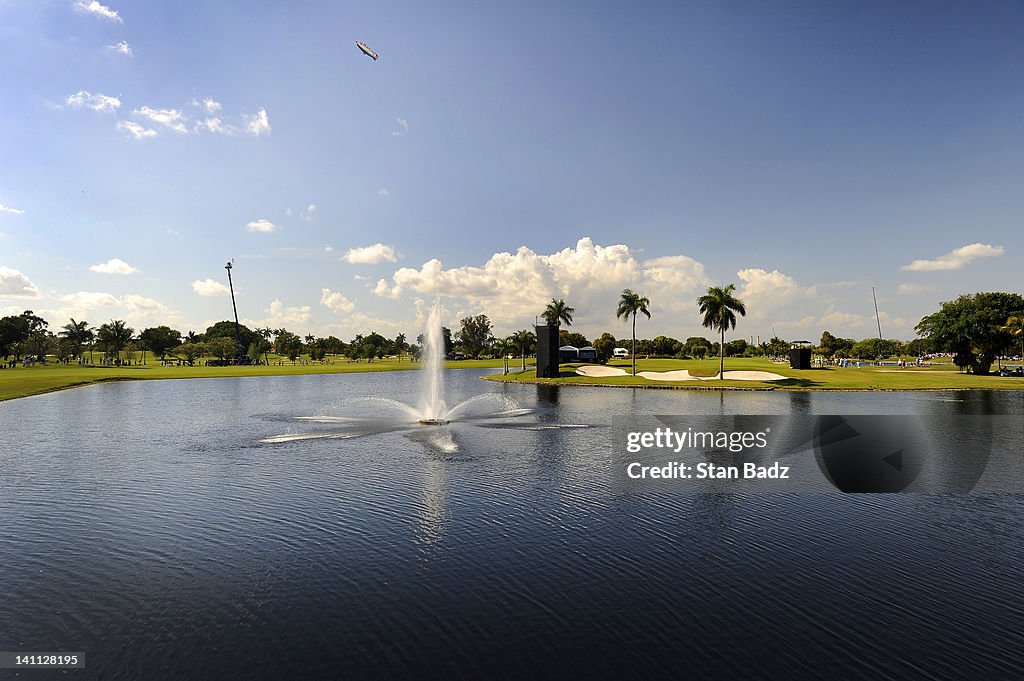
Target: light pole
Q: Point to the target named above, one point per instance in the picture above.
(238, 333)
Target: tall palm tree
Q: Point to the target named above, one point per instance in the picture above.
(266, 333)
(1015, 327)
(557, 312)
(114, 336)
(719, 308)
(524, 340)
(78, 333)
(503, 346)
(630, 303)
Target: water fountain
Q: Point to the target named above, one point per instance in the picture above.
(430, 410)
(433, 408)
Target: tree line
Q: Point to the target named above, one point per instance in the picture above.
(976, 329)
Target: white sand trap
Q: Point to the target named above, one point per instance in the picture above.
(594, 371)
(681, 375)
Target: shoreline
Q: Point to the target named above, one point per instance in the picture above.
(61, 379)
(739, 388)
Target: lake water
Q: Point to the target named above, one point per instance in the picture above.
(151, 527)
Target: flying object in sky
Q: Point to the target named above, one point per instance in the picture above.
(366, 50)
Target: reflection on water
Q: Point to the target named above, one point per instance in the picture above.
(229, 538)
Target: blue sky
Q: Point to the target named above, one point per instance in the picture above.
(500, 154)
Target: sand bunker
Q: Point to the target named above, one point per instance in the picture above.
(680, 375)
(594, 371)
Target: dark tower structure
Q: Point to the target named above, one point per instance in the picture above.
(547, 351)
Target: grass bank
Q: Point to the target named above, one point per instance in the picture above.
(39, 379)
(942, 376)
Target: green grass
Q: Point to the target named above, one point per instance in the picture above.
(25, 381)
(943, 376)
(22, 382)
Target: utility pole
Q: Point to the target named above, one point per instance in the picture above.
(238, 333)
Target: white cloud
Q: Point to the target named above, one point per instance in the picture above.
(89, 300)
(910, 289)
(172, 119)
(14, 284)
(310, 213)
(382, 192)
(258, 123)
(137, 131)
(210, 287)
(511, 288)
(370, 255)
(298, 318)
(211, 124)
(95, 8)
(114, 266)
(122, 48)
(955, 259)
(261, 225)
(403, 124)
(336, 301)
(678, 272)
(209, 104)
(12, 211)
(96, 102)
(759, 284)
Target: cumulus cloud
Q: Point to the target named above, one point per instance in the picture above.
(114, 266)
(14, 284)
(955, 259)
(135, 309)
(676, 271)
(210, 287)
(96, 9)
(12, 211)
(89, 300)
(403, 124)
(96, 102)
(511, 288)
(759, 283)
(309, 213)
(382, 192)
(172, 119)
(135, 130)
(261, 225)
(336, 301)
(370, 255)
(258, 123)
(278, 316)
(122, 48)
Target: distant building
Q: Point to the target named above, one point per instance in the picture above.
(588, 354)
(620, 353)
(568, 353)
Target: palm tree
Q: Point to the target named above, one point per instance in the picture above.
(78, 333)
(113, 336)
(524, 339)
(1015, 327)
(557, 312)
(266, 334)
(503, 346)
(629, 304)
(719, 308)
